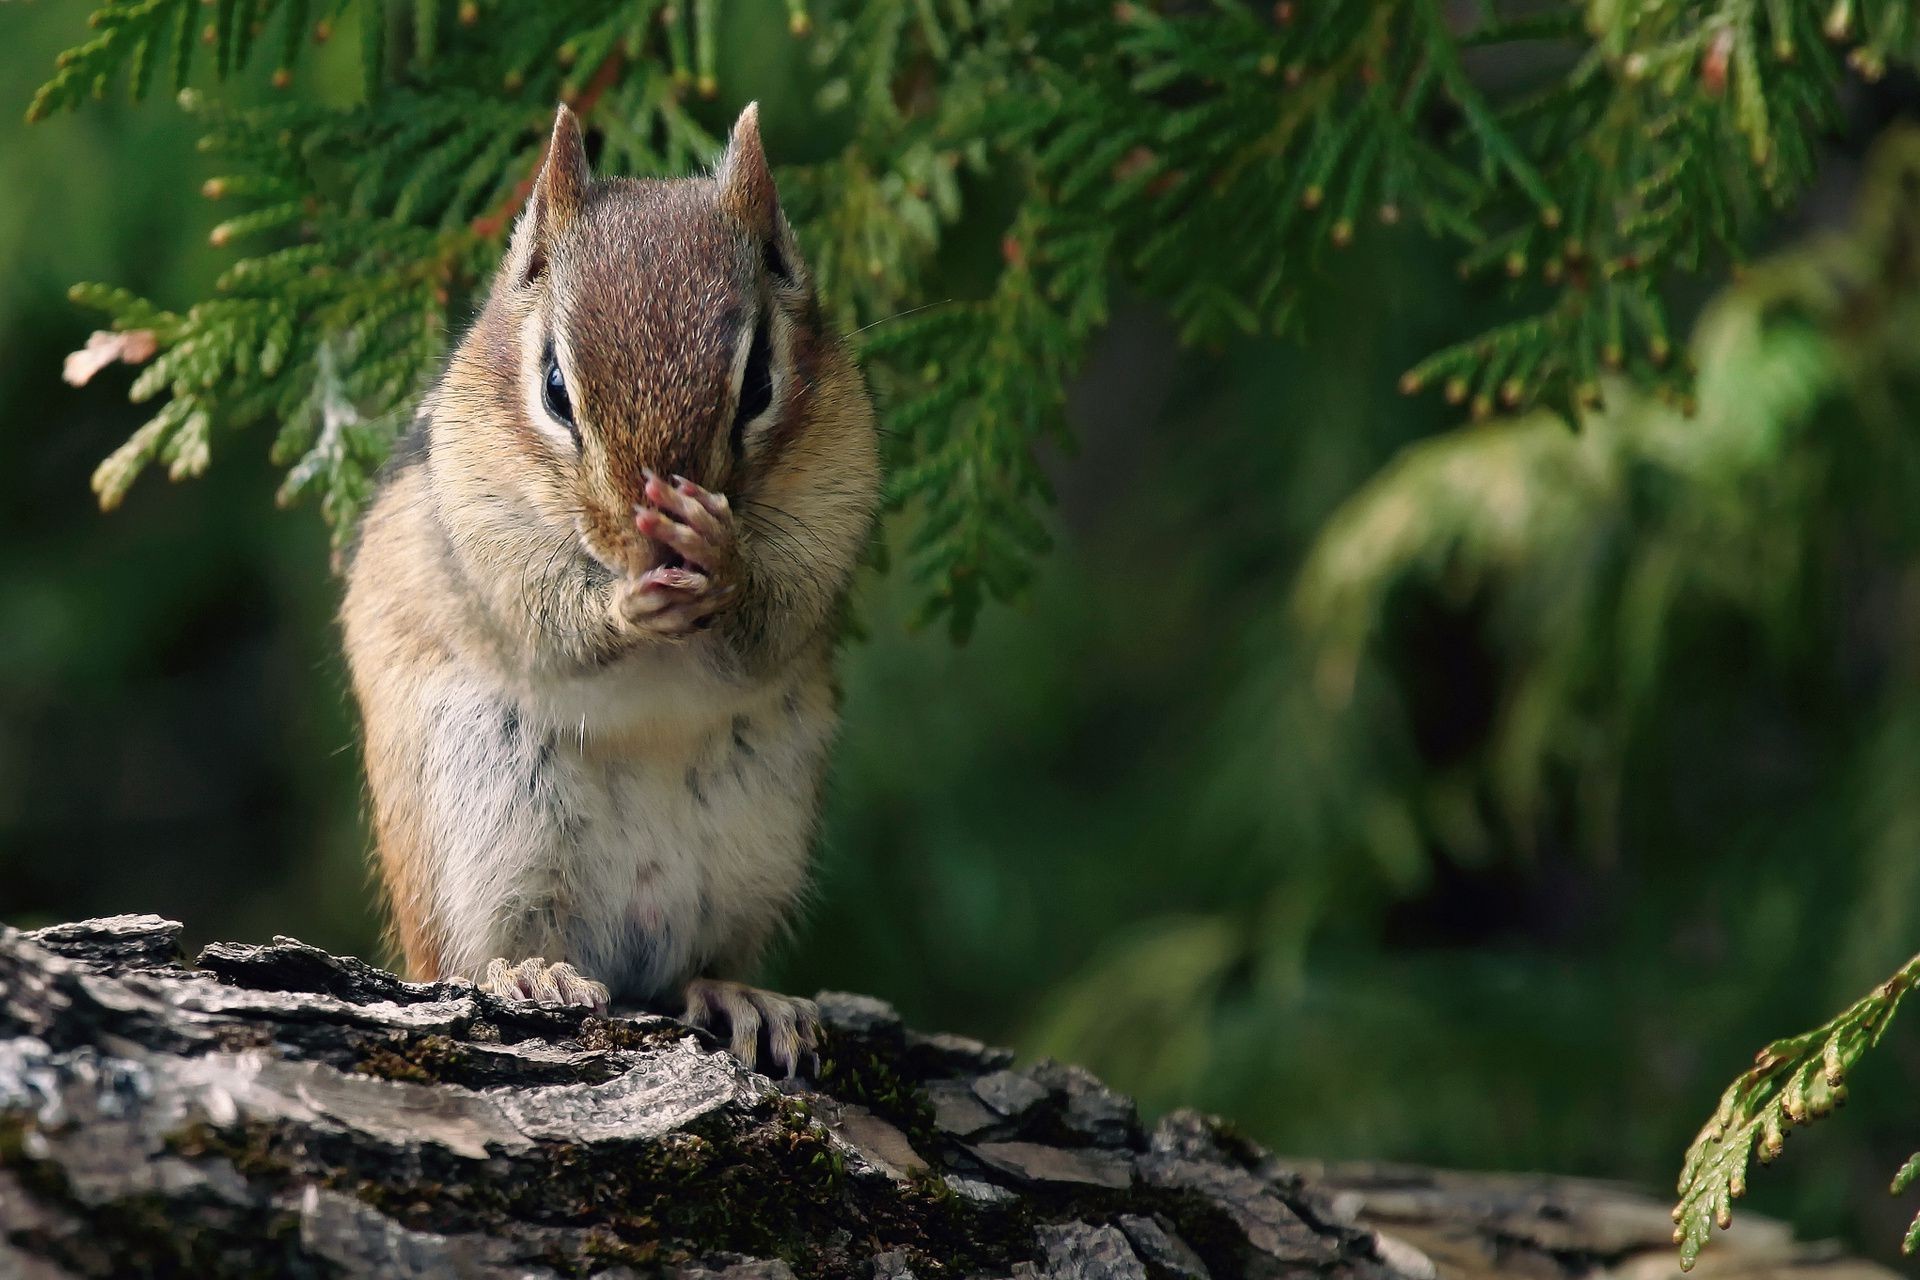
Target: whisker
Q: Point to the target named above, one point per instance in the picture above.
(790, 523)
(899, 315)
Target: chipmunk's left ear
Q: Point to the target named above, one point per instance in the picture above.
(558, 191)
(746, 184)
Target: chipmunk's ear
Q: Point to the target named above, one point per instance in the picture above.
(746, 184)
(746, 192)
(558, 192)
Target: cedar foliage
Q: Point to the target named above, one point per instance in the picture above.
(1203, 153)
(1792, 1082)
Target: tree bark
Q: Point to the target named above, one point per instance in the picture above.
(280, 1111)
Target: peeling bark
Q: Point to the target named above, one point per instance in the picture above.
(276, 1110)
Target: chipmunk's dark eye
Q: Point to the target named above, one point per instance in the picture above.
(553, 389)
(756, 386)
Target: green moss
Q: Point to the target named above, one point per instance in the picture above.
(390, 1064)
(602, 1247)
(238, 1037)
(144, 1234)
(35, 1176)
(431, 1059)
(255, 1150)
(775, 1188)
(618, 1033)
(768, 1184)
(874, 1075)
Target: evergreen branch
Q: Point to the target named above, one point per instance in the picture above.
(493, 224)
(135, 36)
(963, 448)
(1481, 119)
(1204, 155)
(1901, 1181)
(1792, 1083)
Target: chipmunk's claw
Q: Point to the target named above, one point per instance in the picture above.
(694, 528)
(670, 601)
(693, 523)
(536, 980)
(748, 1016)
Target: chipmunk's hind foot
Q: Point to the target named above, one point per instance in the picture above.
(535, 979)
(747, 1017)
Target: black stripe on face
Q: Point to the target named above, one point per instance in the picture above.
(756, 386)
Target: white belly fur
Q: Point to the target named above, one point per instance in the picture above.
(644, 859)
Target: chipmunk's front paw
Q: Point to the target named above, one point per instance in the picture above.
(696, 580)
(537, 980)
(747, 1016)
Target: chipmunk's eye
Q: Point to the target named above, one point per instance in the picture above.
(756, 383)
(553, 390)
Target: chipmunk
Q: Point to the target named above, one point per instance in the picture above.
(591, 615)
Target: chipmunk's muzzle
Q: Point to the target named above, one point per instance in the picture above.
(616, 545)
(614, 493)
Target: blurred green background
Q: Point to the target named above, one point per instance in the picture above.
(1518, 877)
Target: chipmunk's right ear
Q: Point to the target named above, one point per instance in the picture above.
(744, 181)
(558, 193)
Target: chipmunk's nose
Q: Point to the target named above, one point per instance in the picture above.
(610, 534)
(665, 452)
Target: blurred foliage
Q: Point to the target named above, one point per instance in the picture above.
(1201, 153)
(1475, 795)
(1643, 518)
(1578, 563)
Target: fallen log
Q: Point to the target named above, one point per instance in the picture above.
(278, 1111)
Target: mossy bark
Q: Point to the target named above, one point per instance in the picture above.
(275, 1110)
